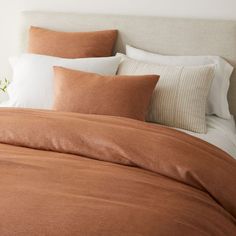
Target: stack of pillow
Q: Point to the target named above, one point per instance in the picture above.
(190, 87)
(76, 72)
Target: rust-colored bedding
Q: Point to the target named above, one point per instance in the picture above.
(73, 174)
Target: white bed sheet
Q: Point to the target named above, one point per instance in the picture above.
(221, 133)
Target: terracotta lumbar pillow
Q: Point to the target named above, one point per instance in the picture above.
(71, 44)
(125, 96)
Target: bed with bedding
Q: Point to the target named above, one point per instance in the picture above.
(135, 144)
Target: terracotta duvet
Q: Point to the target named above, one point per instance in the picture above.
(73, 174)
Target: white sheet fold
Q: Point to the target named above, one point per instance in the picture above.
(221, 133)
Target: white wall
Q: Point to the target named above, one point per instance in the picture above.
(10, 10)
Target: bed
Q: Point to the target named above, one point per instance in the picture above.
(208, 38)
(65, 173)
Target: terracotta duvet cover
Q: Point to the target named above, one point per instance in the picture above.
(73, 174)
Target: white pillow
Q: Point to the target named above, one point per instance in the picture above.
(179, 99)
(32, 85)
(13, 61)
(217, 99)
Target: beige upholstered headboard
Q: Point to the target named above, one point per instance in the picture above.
(172, 36)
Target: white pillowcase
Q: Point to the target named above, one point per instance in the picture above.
(32, 85)
(217, 103)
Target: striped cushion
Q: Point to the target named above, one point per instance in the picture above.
(180, 98)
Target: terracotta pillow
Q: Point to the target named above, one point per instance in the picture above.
(126, 96)
(71, 45)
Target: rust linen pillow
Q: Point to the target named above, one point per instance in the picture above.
(125, 96)
(71, 44)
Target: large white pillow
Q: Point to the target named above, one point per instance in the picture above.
(32, 85)
(179, 99)
(217, 102)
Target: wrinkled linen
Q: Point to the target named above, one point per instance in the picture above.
(221, 133)
(74, 174)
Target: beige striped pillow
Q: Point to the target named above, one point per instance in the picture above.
(179, 99)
